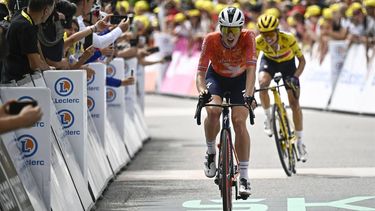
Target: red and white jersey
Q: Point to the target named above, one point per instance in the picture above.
(228, 62)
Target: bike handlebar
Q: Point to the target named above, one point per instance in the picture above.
(202, 104)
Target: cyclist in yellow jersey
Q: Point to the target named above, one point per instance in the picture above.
(279, 52)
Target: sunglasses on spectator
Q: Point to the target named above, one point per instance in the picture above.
(233, 30)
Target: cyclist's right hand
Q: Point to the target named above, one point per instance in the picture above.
(205, 96)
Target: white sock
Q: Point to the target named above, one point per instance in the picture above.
(299, 136)
(244, 167)
(267, 112)
(211, 147)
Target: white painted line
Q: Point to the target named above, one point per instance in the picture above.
(254, 173)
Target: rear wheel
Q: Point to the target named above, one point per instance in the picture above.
(226, 171)
(282, 131)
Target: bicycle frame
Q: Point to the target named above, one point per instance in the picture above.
(285, 138)
(278, 102)
(227, 173)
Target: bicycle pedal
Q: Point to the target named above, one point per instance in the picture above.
(243, 197)
(216, 180)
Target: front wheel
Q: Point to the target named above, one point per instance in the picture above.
(282, 132)
(226, 170)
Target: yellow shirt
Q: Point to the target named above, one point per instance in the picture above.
(287, 50)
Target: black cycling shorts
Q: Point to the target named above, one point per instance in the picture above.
(287, 68)
(218, 85)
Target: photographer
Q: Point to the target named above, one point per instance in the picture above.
(24, 55)
(52, 31)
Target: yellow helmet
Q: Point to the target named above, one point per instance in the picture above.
(313, 10)
(327, 13)
(369, 3)
(272, 11)
(267, 23)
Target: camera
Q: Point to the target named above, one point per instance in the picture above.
(17, 106)
(116, 19)
(68, 9)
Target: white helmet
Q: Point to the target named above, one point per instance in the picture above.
(231, 17)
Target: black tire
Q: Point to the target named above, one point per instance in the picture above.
(226, 171)
(286, 158)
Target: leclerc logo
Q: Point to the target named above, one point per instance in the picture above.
(66, 118)
(64, 86)
(111, 95)
(90, 79)
(25, 98)
(111, 70)
(90, 103)
(28, 144)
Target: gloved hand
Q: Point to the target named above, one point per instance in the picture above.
(294, 82)
(250, 101)
(205, 96)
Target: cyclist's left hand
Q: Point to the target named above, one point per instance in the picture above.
(293, 83)
(250, 101)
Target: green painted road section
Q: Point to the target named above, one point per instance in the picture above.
(294, 204)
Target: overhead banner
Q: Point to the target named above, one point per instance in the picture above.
(69, 94)
(35, 142)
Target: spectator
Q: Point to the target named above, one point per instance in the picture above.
(362, 27)
(24, 55)
(26, 118)
(370, 8)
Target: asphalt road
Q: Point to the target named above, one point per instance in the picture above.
(167, 174)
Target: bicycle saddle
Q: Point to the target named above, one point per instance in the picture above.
(277, 78)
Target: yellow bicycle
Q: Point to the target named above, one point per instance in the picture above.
(283, 131)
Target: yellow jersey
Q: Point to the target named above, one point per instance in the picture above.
(287, 47)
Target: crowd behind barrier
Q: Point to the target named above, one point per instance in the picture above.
(37, 162)
(342, 81)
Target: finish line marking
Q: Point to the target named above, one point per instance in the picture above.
(254, 173)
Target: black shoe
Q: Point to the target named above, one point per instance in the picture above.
(244, 189)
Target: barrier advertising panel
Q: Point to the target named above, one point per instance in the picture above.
(68, 90)
(352, 80)
(116, 95)
(7, 200)
(367, 105)
(133, 140)
(96, 103)
(67, 164)
(35, 142)
(96, 97)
